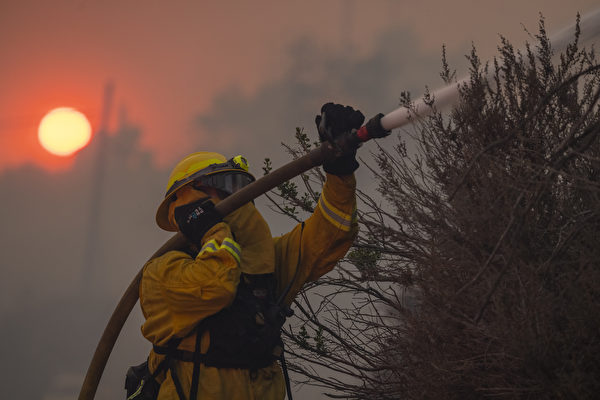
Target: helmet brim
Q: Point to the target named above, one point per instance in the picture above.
(162, 214)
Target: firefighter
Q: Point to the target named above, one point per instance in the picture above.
(213, 312)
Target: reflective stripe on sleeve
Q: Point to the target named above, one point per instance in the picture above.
(338, 218)
(209, 247)
(233, 248)
(228, 244)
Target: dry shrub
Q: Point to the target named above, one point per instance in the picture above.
(489, 224)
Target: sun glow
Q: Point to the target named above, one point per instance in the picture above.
(64, 130)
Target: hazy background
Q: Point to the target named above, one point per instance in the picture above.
(230, 76)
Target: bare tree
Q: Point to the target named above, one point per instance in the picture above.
(479, 273)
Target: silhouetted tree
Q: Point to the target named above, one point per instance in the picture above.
(476, 272)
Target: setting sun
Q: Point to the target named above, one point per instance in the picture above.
(64, 130)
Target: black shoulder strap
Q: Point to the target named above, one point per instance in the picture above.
(286, 376)
(170, 361)
(196, 372)
(168, 352)
(175, 378)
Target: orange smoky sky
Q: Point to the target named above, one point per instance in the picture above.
(168, 60)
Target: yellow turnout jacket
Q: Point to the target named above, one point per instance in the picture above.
(178, 291)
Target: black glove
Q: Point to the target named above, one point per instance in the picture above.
(336, 120)
(195, 219)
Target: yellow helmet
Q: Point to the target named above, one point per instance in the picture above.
(207, 169)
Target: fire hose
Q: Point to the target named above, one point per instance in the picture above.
(446, 96)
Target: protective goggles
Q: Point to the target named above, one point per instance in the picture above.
(229, 182)
(229, 176)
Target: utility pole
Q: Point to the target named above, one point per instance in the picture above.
(91, 254)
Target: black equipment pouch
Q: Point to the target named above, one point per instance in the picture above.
(248, 333)
(140, 383)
